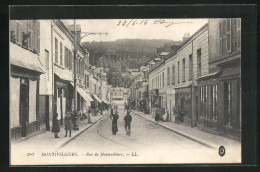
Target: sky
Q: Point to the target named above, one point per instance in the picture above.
(172, 29)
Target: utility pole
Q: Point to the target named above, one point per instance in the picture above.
(76, 126)
(75, 117)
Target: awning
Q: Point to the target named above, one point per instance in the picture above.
(25, 59)
(97, 98)
(104, 101)
(26, 65)
(83, 93)
(64, 76)
(208, 76)
(183, 86)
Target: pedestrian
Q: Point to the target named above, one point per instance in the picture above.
(68, 123)
(90, 115)
(128, 120)
(114, 117)
(157, 117)
(164, 116)
(55, 126)
(111, 113)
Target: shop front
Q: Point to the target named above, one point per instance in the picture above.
(171, 102)
(183, 104)
(208, 106)
(24, 99)
(154, 99)
(96, 104)
(219, 101)
(63, 97)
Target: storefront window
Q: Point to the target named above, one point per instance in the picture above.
(227, 102)
(214, 102)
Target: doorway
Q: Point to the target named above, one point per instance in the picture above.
(47, 117)
(24, 105)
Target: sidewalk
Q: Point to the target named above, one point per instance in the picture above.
(194, 134)
(48, 141)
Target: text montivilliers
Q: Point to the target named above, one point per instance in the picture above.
(59, 154)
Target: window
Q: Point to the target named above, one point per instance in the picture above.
(163, 79)
(26, 33)
(227, 103)
(56, 50)
(220, 38)
(70, 61)
(228, 35)
(66, 57)
(203, 101)
(168, 76)
(224, 37)
(238, 33)
(87, 81)
(160, 81)
(47, 63)
(61, 54)
(30, 38)
(183, 70)
(15, 31)
(178, 72)
(190, 67)
(214, 101)
(199, 61)
(173, 74)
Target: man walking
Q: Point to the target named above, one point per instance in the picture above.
(128, 120)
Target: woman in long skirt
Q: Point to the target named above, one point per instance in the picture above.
(90, 114)
(114, 118)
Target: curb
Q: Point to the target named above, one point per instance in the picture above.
(65, 143)
(188, 137)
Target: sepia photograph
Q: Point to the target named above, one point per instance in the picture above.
(125, 91)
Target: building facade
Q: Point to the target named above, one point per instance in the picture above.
(220, 91)
(26, 68)
(188, 63)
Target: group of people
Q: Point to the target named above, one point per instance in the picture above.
(68, 124)
(114, 117)
(163, 116)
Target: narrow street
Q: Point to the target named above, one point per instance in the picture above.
(147, 139)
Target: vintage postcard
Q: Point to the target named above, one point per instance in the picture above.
(125, 91)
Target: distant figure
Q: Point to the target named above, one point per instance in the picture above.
(90, 115)
(164, 116)
(68, 123)
(114, 118)
(112, 110)
(128, 120)
(55, 126)
(157, 116)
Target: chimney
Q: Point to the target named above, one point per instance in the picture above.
(185, 37)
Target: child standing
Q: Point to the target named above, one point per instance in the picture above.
(68, 123)
(55, 126)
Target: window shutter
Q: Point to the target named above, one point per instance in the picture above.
(12, 30)
(38, 36)
(228, 35)
(220, 39)
(33, 36)
(239, 33)
(30, 29)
